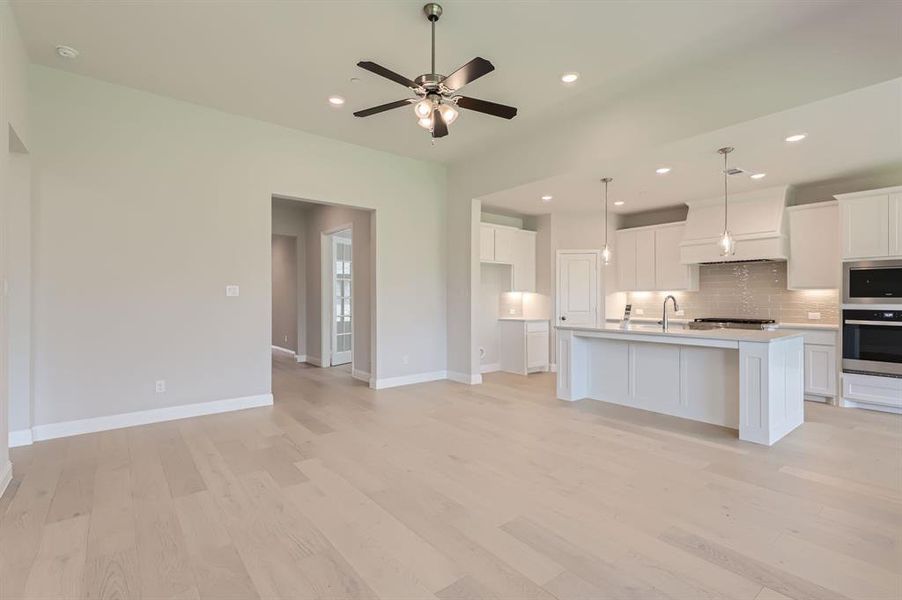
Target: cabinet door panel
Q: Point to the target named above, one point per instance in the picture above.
(537, 349)
(486, 243)
(865, 230)
(814, 256)
(524, 262)
(820, 370)
(645, 259)
(504, 245)
(625, 258)
(895, 225)
(670, 275)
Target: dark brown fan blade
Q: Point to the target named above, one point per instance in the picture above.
(382, 71)
(439, 127)
(382, 108)
(489, 108)
(471, 71)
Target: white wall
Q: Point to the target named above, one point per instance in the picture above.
(494, 280)
(147, 207)
(288, 219)
(14, 243)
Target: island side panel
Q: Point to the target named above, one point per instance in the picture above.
(572, 366)
(771, 389)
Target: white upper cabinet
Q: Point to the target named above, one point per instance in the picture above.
(895, 224)
(504, 244)
(486, 243)
(814, 256)
(670, 274)
(648, 259)
(510, 246)
(524, 262)
(871, 223)
(645, 259)
(625, 257)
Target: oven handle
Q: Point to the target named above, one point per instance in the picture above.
(879, 323)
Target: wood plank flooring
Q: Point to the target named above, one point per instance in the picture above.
(448, 491)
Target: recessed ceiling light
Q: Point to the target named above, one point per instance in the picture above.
(569, 77)
(547, 198)
(618, 203)
(662, 170)
(66, 51)
(797, 137)
(758, 175)
(336, 100)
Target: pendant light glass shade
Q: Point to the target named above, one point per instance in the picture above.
(606, 251)
(726, 243)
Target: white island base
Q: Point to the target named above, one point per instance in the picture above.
(752, 381)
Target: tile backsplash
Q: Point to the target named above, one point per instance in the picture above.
(745, 290)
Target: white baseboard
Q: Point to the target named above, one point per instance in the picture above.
(283, 350)
(361, 375)
(20, 437)
(490, 368)
(390, 382)
(144, 417)
(6, 476)
(474, 379)
(300, 357)
(314, 360)
(878, 407)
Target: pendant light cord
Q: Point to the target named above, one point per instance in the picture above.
(605, 213)
(725, 191)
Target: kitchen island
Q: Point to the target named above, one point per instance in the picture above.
(752, 381)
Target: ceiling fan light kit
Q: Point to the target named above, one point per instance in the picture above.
(436, 103)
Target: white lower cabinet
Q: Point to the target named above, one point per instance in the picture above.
(820, 363)
(524, 346)
(820, 370)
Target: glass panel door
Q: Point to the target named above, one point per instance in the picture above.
(341, 300)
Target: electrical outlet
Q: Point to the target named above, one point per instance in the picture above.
(285, 338)
(640, 311)
(405, 359)
(161, 386)
(680, 313)
(232, 291)
(512, 311)
(814, 316)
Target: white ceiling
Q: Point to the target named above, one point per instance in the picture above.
(278, 61)
(847, 134)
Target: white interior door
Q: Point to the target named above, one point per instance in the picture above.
(341, 299)
(577, 289)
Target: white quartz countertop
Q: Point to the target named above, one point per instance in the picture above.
(678, 331)
(681, 320)
(530, 319)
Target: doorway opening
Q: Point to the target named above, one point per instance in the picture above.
(322, 287)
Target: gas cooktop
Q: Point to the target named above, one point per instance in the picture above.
(728, 323)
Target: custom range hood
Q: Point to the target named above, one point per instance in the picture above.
(757, 222)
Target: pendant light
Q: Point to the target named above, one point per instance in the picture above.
(726, 243)
(606, 251)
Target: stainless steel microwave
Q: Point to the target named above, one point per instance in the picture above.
(872, 282)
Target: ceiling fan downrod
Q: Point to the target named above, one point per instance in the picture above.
(433, 12)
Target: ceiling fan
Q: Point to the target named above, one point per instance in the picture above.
(436, 101)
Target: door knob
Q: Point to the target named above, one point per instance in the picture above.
(563, 318)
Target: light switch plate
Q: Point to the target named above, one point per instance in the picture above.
(814, 316)
(232, 291)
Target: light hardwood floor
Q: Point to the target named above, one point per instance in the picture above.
(447, 491)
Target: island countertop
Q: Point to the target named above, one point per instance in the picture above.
(680, 334)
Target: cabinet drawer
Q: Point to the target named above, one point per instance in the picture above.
(873, 390)
(536, 326)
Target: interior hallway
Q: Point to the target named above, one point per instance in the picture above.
(450, 491)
